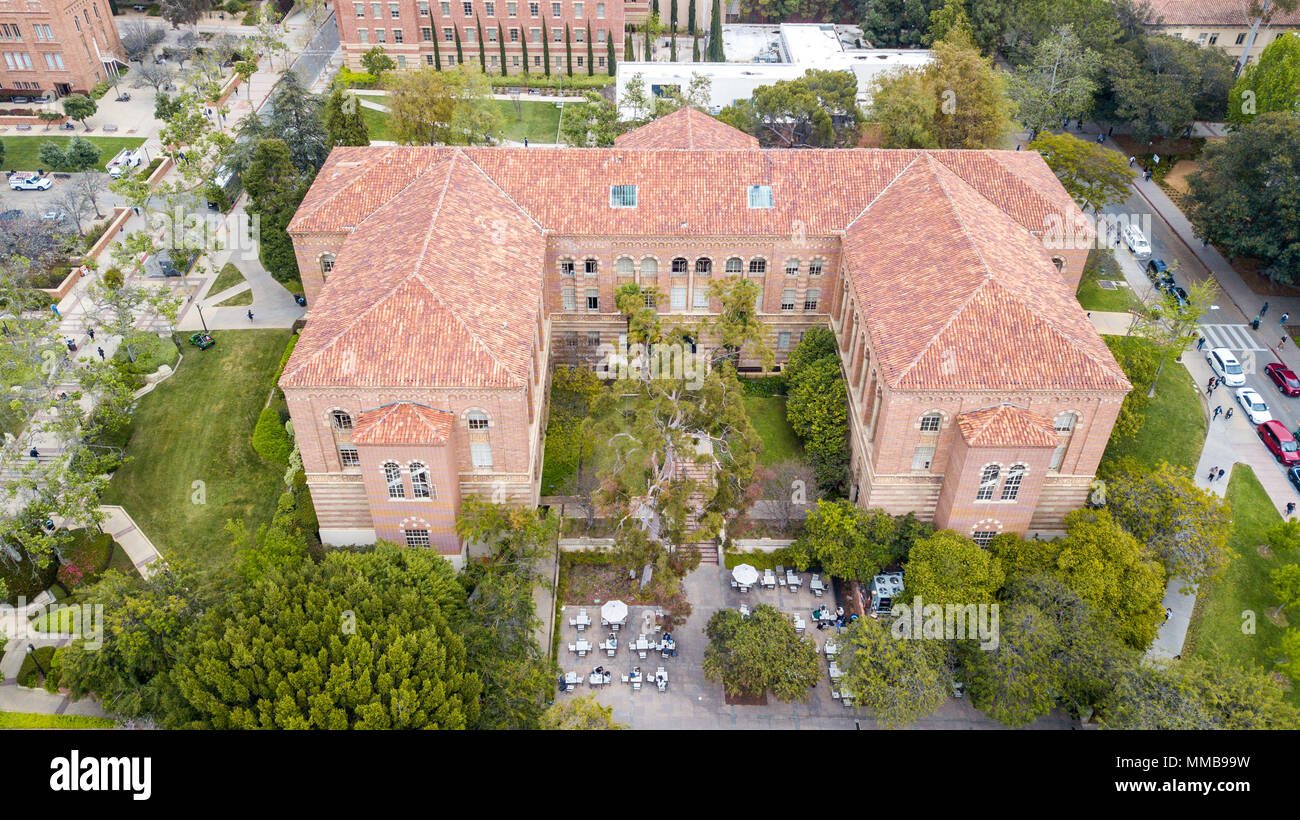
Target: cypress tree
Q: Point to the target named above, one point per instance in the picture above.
(501, 41)
(695, 49)
(524, 43)
(627, 47)
(654, 7)
(609, 55)
(437, 55)
(460, 55)
(568, 50)
(546, 49)
(715, 35)
(672, 20)
(591, 58)
(690, 24)
(482, 49)
(672, 45)
(649, 44)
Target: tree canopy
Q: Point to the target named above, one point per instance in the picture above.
(760, 653)
(448, 107)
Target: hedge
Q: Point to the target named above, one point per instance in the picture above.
(270, 439)
(542, 81)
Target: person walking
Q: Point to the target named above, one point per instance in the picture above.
(55, 308)
(1132, 160)
(1282, 319)
(1290, 508)
(525, 142)
(1281, 342)
(91, 332)
(1200, 343)
(250, 314)
(1264, 309)
(1228, 414)
(1218, 411)
(1213, 470)
(101, 353)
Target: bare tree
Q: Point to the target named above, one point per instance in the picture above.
(581, 488)
(28, 236)
(789, 491)
(139, 38)
(90, 185)
(155, 75)
(76, 206)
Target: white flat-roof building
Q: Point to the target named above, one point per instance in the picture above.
(768, 54)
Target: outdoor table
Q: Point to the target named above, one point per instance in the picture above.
(661, 678)
(793, 581)
(571, 679)
(581, 647)
(745, 575)
(834, 671)
(798, 624)
(831, 649)
(583, 621)
(610, 645)
(744, 611)
(847, 696)
(597, 679)
(668, 647)
(769, 580)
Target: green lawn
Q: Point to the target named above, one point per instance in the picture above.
(23, 153)
(244, 297)
(227, 278)
(1217, 620)
(1174, 428)
(196, 427)
(376, 123)
(539, 124)
(767, 414)
(29, 720)
(1092, 296)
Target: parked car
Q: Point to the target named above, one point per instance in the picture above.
(126, 158)
(1226, 367)
(55, 215)
(1178, 293)
(1293, 475)
(1285, 378)
(1158, 273)
(12, 213)
(1253, 404)
(1279, 442)
(1136, 241)
(29, 181)
(19, 100)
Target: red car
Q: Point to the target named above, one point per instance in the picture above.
(1284, 377)
(1279, 442)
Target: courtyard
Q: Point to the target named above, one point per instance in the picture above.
(692, 702)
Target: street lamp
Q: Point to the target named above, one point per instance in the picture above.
(31, 653)
(201, 321)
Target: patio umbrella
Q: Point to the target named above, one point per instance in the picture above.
(745, 575)
(614, 611)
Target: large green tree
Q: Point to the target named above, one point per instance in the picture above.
(1198, 693)
(949, 568)
(1058, 84)
(592, 123)
(452, 107)
(760, 653)
(1093, 175)
(817, 407)
(899, 680)
(819, 110)
(274, 192)
(343, 121)
(1166, 83)
(1272, 84)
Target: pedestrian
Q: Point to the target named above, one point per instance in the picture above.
(34, 453)
(1110, 131)
(1221, 473)
(1218, 411)
(55, 308)
(1281, 342)
(1228, 414)
(91, 332)
(1132, 160)
(1200, 343)
(1213, 470)
(1209, 385)
(525, 142)
(1264, 309)
(1282, 319)
(1101, 138)
(1254, 323)
(250, 314)
(1290, 508)
(101, 353)
(1168, 611)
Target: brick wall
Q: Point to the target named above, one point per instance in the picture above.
(82, 32)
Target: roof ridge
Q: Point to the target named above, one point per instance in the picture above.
(378, 157)
(491, 181)
(474, 337)
(882, 191)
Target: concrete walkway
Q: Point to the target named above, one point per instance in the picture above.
(119, 524)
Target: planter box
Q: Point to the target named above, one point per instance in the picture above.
(119, 219)
(65, 286)
(580, 544)
(160, 171)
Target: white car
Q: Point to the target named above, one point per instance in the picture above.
(126, 158)
(1136, 241)
(29, 181)
(1226, 367)
(1253, 404)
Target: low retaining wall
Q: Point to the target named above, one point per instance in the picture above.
(760, 544)
(160, 171)
(582, 544)
(119, 219)
(65, 287)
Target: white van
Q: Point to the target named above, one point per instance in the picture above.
(126, 158)
(1137, 243)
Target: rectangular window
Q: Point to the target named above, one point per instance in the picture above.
(621, 196)
(514, 35)
(815, 267)
(426, 34)
(416, 538)
(579, 35)
(394, 12)
(448, 35)
(420, 487)
(348, 457)
(445, 5)
(577, 11)
(1241, 38)
(424, 8)
(600, 11)
(593, 299)
(536, 37)
(1214, 38)
(512, 9)
(492, 35)
(600, 36)
(590, 267)
(491, 8)
(380, 37)
(566, 296)
(677, 300)
(428, 59)
(401, 61)
(810, 299)
(558, 36)
(783, 340)
(534, 9)
(702, 298)
(593, 338)
(555, 9)
(988, 482)
(921, 458)
(363, 35)
(375, 11)
(787, 300)
(393, 478)
(480, 454)
(397, 36)
(566, 267)
(648, 299)
(760, 196)
(469, 34)
(468, 8)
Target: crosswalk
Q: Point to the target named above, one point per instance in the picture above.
(1233, 337)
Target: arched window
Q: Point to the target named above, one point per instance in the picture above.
(988, 482)
(416, 537)
(393, 478)
(983, 537)
(1064, 423)
(326, 263)
(590, 267)
(1011, 487)
(704, 267)
(478, 420)
(757, 267)
(679, 266)
(341, 420)
(930, 422)
(792, 267)
(649, 267)
(420, 486)
(815, 267)
(624, 266)
(735, 266)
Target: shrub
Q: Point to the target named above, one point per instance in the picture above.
(347, 78)
(270, 439)
(818, 409)
(542, 81)
(764, 386)
(28, 674)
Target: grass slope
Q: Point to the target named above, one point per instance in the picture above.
(1174, 428)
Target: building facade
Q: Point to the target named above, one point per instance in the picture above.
(1219, 23)
(513, 33)
(443, 284)
(57, 46)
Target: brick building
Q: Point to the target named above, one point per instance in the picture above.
(59, 46)
(417, 33)
(444, 282)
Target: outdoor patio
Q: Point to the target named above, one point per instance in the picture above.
(692, 702)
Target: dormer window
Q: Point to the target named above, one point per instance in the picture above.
(622, 196)
(760, 196)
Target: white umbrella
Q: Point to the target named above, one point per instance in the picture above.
(614, 611)
(745, 575)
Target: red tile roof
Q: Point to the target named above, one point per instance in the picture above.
(403, 423)
(686, 128)
(1006, 426)
(1210, 13)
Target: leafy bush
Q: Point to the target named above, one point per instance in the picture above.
(542, 81)
(765, 386)
(347, 78)
(28, 674)
(270, 439)
(818, 408)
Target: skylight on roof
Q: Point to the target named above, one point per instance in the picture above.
(760, 196)
(622, 196)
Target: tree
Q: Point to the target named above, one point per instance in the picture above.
(591, 59)
(1240, 198)
(848, 541)
(636, 103)
(450, 107)
(1168, 84)
(760, 653)
(592, 123)
(1185, 526)
(1198, 693)
(546, 49)
(736, 327)
(482, 47)
(1058, 84)
(389, 658)
(610, 59)
(1094, 176)
(695, 48)
(579, 713)
(183, 12)
(672, 39)
(1272, 84)
(789, 491)
(377, 62)
(568, 51)
(949, 22)
(138, 39)
(274, 191)
(80, 155)
(501, 45)
(899, 680)
(715, 53)
(80, 107)
(343, 122)
(1170, 323)
(817, 408)
(690, 21)
(896, 23)
(153, 75)
(1286, 585)
(949, 568)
